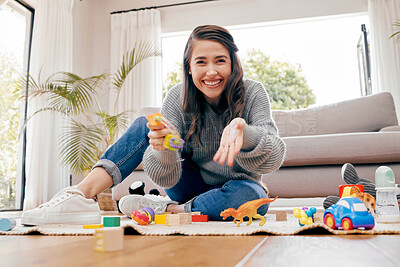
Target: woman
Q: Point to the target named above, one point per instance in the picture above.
(230, 141)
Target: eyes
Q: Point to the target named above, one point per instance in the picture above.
(204, 62)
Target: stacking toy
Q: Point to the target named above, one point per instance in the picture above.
(387, 208)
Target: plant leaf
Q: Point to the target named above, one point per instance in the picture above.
(80, 146)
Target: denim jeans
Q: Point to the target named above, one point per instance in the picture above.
(122, 158)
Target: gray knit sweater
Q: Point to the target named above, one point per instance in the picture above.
(262, 151)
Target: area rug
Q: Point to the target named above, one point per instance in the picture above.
(271, 227)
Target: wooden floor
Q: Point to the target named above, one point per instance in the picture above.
(258, 250)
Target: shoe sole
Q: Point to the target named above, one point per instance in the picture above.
(64, 218)
(129, 203)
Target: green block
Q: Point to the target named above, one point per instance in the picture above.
(112, 221)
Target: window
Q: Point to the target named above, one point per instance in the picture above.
(16, 20)
(323, 50)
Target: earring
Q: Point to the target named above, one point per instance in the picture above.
(190, 73)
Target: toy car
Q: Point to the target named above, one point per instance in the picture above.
(348, 213)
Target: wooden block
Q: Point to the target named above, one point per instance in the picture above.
(112, 221)
(92, 226)
(197, 213)
(159, 219)
(281, 215)
(110, 239)
(166, 212)
(172, 219)
(199, 218)
(185, 218)
(318, 218)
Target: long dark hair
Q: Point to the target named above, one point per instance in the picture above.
(231, 103)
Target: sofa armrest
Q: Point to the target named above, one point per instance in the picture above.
(395, 128)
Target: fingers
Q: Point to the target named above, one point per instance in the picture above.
(226, 153)
(157, 135)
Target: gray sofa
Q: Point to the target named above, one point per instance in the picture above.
(319, 140)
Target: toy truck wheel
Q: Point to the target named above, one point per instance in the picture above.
(329, 220)
(347, 224)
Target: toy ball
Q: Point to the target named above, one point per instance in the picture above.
(142, 217)
(296, 212)
(150, 211)
(313, 210)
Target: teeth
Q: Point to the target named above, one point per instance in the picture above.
(212, 83)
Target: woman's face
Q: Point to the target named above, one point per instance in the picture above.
(210, 67)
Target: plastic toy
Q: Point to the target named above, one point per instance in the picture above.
(248, 209)
(92, 226)
(143, 216)
(112, 221)
(368, 200)
(387, 208)
(305, 215)
(7, 224)
(348, 213)
(172, 141)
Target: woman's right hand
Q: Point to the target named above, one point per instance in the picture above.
(157, 135)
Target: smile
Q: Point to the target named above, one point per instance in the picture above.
(212, 83)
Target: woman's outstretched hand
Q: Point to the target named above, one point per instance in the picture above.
(231, 142)
(157, 135)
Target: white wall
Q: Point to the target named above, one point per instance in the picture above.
(92, 20)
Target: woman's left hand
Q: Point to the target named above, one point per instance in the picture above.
(231, 142)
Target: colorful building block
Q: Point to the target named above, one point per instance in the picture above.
(318, 218)
(159, 219)
(185, 218)
(172, 219)
(197, 213)
(281, 215)
(7, 224)
(114, 221)
(110, 239)
(92, 226)
(199, 218)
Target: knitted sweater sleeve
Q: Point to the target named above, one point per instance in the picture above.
(164, 167)
(263, 150)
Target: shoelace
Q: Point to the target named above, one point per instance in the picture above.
(61, 196)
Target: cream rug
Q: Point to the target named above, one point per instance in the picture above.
(271, 227)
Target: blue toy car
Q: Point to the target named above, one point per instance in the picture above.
(348, 213)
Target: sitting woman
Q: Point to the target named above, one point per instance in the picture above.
(230, 141)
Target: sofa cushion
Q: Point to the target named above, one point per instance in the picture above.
(331, 149)
(364, 114)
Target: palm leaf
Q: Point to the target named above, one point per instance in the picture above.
(114, 123)
(80, 146)
(138, 54)
(396, 34)
(66, 91)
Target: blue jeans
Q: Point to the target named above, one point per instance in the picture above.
(122, 158)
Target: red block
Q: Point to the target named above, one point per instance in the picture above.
(199, 218)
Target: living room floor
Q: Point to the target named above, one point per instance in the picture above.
(178, 250)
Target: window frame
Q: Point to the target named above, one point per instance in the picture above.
(21, 176)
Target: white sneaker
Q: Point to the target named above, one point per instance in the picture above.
(129, 203)
(69, 206)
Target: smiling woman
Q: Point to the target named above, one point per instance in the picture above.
(210, 67)
(15, 22)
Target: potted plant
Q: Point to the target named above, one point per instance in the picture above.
(91, 129)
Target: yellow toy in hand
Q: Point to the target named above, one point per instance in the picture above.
(172, 141)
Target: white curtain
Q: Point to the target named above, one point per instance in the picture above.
(51, 52)
(144, 85)
(385, 52)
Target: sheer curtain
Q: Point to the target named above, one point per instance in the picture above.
(51, 52)
(385, 52)
(144, 86)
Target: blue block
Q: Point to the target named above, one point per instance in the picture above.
(6, 224)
